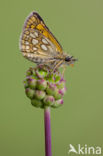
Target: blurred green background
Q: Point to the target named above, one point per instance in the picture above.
(78, 25)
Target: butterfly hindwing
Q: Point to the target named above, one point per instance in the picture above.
(37, 40)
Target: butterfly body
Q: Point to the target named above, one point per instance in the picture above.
(39, 45)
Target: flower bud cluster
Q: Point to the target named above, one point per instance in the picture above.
(44, 88)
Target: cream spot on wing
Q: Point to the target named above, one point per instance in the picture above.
(34, 41)
(34, 48)
(26, 32)
(28, 50)
(22, 47)
(32, 35)
(26, 42)
(27, 37)
(29, 55)
(43, 47)
(27, 47)
(33, 18)
(36, 34)
(44, 41)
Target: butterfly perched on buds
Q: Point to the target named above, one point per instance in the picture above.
(40, 46)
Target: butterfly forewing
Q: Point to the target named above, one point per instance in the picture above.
(37, 43)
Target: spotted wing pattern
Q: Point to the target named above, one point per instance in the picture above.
(37, 43)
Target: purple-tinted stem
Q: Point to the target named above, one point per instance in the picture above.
(47, 123)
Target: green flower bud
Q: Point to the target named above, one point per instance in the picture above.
(58, 103)
(32, 82)
(41, 73)
(36, 103)
(29, 92)
(62, 91)
(39, 94)
(49, 100)
(57, 78)
(41, 84)
(44, 88)
(61, 83)
(51, 89)
(50, 78)
(57, 95)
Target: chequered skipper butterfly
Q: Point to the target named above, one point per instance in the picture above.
(40, 46)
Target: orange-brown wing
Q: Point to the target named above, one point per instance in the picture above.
(36, 22)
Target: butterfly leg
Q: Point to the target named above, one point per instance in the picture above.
(64, 67)
(58, 64)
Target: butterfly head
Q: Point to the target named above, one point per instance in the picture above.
(69, 60)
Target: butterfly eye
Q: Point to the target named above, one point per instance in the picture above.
(67, 59)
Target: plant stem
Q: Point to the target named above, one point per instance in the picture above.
(47, 124)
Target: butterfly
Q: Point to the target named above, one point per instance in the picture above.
(39, 45)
